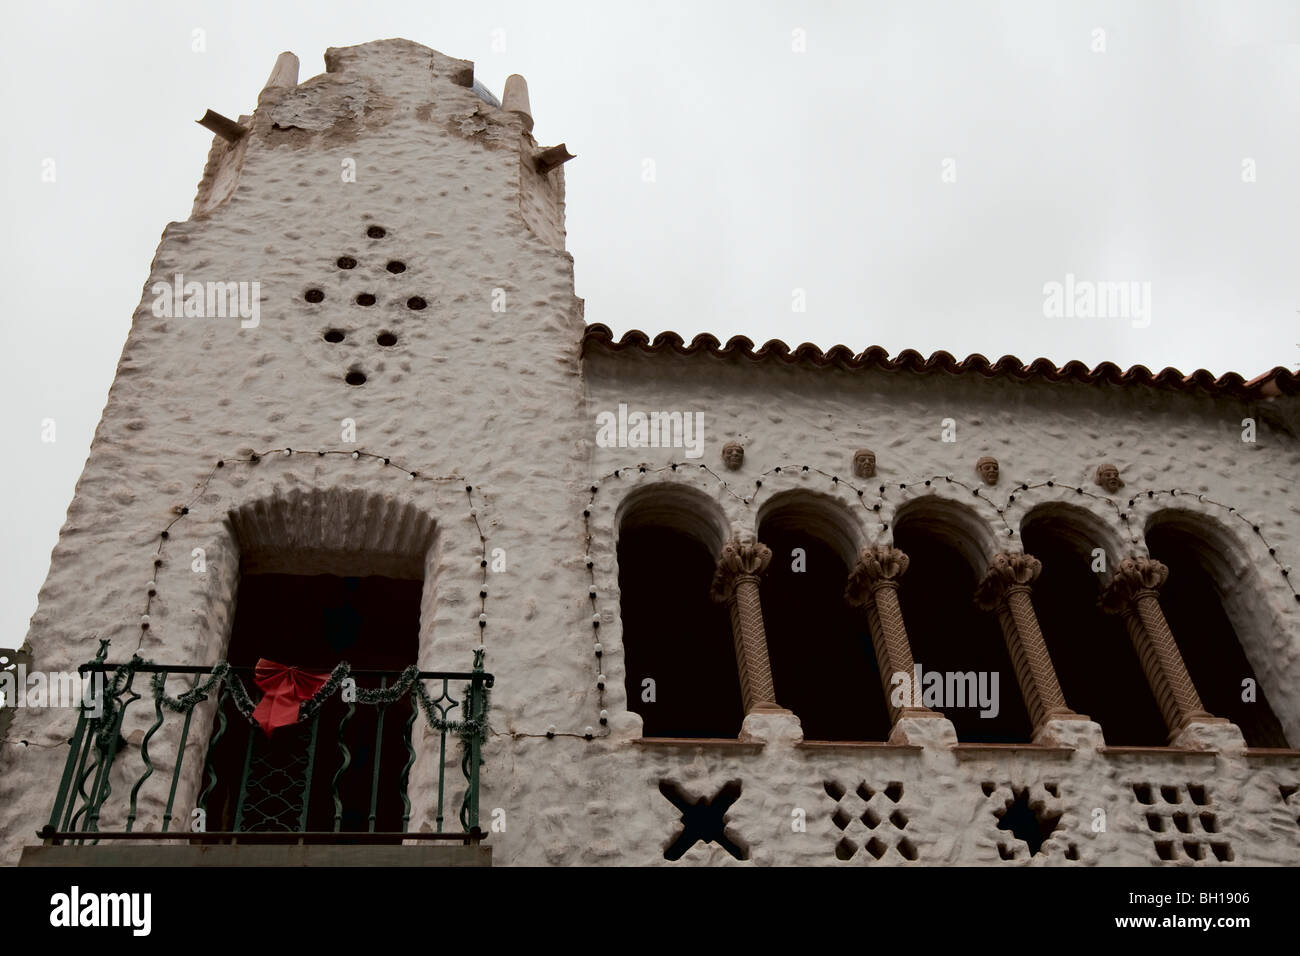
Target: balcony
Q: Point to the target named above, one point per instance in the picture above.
(334, 788)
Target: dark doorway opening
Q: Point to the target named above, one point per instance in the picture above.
(287, 781)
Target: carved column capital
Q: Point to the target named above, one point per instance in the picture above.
(1130, 579)
(877, 567)
(742, 557)
(1006, 571)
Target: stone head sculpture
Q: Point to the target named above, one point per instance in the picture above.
(1108, 477)
(733, 455)
(864, 463)
(987, 467)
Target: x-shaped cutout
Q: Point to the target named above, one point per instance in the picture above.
(703, 819)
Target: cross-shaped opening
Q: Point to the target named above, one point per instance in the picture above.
(704, 820)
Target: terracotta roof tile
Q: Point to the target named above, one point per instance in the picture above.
(1276, 381)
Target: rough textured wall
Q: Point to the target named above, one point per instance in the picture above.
(501, 401)
(491, 397)
(1239, 806)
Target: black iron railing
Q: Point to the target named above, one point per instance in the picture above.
(339, 775)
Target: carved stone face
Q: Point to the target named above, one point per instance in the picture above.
(988, 469)
(864, 463)
(1108, 477)
(733, 454)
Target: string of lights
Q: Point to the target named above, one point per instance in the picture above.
(356, 455)
(860, 491)
(880, 500)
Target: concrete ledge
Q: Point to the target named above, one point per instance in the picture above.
(1181, 752)
(701, 743)
(879, 746)
(962, 751)
(1275, 753)
(265, 855)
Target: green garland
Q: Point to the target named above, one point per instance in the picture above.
(468, 729)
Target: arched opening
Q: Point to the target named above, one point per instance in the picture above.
(1208, 582)
(1096, 663)
(959, 648)
(823, 664)
(678, 652)
(324, 577)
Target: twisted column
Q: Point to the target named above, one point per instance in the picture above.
(735, 582)
(1005, 588)
(1132, 592)
(873, 585)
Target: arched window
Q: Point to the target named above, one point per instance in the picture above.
(1212, 603)
(1096, 664)
(948, 550)
(679, 655)
(823, 663)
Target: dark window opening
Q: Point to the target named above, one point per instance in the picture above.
(1208, 641)
(1096, 665)
(823, 664)
(951, 635)
(313, 622)
(675, 635)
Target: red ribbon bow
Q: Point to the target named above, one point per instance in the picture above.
(285, 688)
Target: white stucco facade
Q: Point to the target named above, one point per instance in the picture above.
(491, 387)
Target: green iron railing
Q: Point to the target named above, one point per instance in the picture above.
(271, 798)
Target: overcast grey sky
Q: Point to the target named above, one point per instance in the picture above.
(1113, 156)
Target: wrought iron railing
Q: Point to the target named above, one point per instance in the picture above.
(305, 783)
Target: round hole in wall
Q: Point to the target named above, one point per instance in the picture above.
(334, 335)
(347, 262)
(386, 339)
(376, 232)
(395, 267)
(355, 377)
(314, 295)
(416, 303)
(365, 298)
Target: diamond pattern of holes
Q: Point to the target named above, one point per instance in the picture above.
(1185, 824)
(1027, 821)
(349, 264)
(871, 821)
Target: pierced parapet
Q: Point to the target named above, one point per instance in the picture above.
(1029, 821)
(1185, 823)
(871, 821)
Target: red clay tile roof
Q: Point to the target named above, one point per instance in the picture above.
(1277, 381)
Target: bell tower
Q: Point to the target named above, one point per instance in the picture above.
(359, 355)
